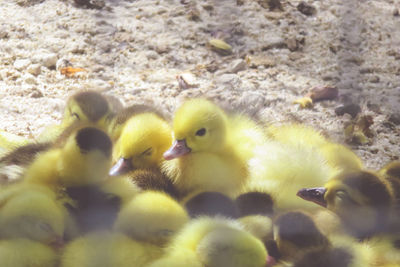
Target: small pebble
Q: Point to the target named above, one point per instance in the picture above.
(306, 9)
(21, 64)
(30, 79)
(34, 69)
(237, 65)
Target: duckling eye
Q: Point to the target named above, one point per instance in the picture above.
(341, 194)
(201, 132)
(147, 152)
(75, 115)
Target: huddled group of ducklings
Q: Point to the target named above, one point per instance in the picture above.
(115, 186)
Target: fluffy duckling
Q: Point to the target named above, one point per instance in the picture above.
(30, 211)
(211, 149)
(213, 242)
(152, 217)
(32, 226)
(84, 106)
(143, 226)
(78, 172)
(143, 140)
(362, 200)
(84, 160)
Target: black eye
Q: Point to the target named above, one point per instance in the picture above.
(75, 115)
(201, 132)
(147, 152)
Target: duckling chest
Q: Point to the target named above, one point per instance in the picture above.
(211, 172)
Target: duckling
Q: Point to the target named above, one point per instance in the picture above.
(143, 226)
(84, 106)
(144, 139)
(211, 149)
(152, 217)
(213, 242)
(362, 200)
(32, 226)
(31, 211)
(78, 172)
(84, 159)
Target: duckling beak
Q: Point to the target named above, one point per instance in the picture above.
(315, 195)
(178, 149)
(121, 167)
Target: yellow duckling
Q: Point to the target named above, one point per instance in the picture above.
(214, 242)
(84, 159)
(211, 149)
(33, 222)
(143, 140)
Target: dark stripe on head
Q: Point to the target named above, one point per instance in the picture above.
(300, 230)
(153, 179)
(92, 104)
(136, 109)
(369, 186)
(337, 257)
(254, 203)
(90, 138)
(211, 204)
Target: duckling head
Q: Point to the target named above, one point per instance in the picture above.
(144, 139)
(151, 217)
(85, 158)
(33, 215)
(199, 126)
(361, 199)
(85, 106)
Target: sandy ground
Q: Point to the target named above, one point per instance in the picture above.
(135, 49)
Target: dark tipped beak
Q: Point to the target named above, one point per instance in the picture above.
(57, 242)
(121, 167)
(178, 149)
(315, 195)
